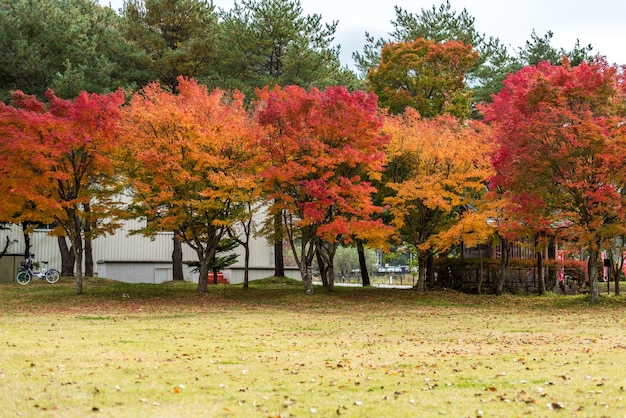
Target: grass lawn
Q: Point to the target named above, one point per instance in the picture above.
(125, 350)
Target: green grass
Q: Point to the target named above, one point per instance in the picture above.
(122, 350)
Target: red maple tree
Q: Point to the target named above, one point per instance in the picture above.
(56, 162)
(560, 134)
(323, 148)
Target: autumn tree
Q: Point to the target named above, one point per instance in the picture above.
(323, 148)
(57, 161)
(249, 207)
(185, 159)
(560, 145)
(442, 24)
(617, 254)
(436, 168)
(272, 42)
(424, 75)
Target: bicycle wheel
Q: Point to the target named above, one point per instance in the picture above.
(52, 276)
(23, 277)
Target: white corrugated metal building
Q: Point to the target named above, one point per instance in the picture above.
(132, 258)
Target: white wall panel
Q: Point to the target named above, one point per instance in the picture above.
(123, 246)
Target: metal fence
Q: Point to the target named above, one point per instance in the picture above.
(466, 278)
(389, 279)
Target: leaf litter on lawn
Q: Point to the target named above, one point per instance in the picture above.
(165, 350)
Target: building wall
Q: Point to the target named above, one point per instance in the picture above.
(141, 272)
(133, 258)
(9, 267)
(235, 275)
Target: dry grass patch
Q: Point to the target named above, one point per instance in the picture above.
(139, 350)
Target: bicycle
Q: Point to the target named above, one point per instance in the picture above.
(26, 272)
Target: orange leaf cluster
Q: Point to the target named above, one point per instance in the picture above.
(437, 168)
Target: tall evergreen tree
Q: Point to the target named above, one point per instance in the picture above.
(64, 45)
(178, 37)
(539, 49)
(271, 42)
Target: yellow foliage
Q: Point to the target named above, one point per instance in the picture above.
(437, 171)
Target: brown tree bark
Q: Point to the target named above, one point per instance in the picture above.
(504, 264)
(88, 256)
(177, 259)
(594, 286)
(25, 226)
(422, 258)
(67, 258)
(541, 285)
(365, 276)
(279, 259)
(430, 270)
(323, 268)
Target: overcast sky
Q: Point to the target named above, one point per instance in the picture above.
(601, 23)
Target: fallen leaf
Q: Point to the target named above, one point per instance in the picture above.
(556, 405)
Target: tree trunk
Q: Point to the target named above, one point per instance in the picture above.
(177, 259)
(77, 249)
(617, 266)
(323, 268)
(203, 275)
(307, 278)
(304, 257)
(504, 263)
(26, 240)
(365, 277)
(594, 287)
(74, 230)
(422, 259)
(541, 286)
(246, 268)
(325, 252)
(331, 276)
(430, 273)
(88, 241)
(88, 255)
(553, 272)
(67, 258)
(279, 259)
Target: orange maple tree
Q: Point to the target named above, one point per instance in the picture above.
(426, 75)
(323, 148)
(187, 158)
(436, 168)
(56, 162)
